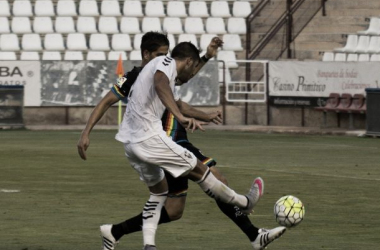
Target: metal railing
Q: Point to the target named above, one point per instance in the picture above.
(273, 26)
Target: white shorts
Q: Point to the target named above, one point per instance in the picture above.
(159, 152)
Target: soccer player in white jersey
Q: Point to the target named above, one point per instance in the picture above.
(150, 150)
(153, 45)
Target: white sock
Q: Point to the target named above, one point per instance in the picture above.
(219, 191)
(151, 216)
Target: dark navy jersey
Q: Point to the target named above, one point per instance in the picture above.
(173, 128)
(124, 84)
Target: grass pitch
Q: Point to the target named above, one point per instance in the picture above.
(62, 200)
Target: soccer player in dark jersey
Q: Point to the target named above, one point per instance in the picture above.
(153, 45)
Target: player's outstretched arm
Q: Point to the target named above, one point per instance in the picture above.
(161, 85)
(96, 115)
(190, 111)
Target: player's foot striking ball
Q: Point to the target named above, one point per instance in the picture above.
(109, 241)
(267, 236)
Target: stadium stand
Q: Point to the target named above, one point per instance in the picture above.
(135, 55)
(114, 55)
(99, 42)
(68, 25)
(96, 56)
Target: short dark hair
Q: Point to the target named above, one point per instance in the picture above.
(152, 40)
(184, 50)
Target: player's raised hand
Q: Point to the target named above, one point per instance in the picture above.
(83, 144)
(213, 47)
(216, 117)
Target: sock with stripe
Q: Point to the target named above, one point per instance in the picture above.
(151, 216)
(134, 224)
(219, 191)
(240, 219)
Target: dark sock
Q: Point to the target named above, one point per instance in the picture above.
(135, 224)
(240, 219)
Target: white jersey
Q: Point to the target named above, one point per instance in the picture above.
(142, 118)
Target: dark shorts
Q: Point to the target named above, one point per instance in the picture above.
(178, 186)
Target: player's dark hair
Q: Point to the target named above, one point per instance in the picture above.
(152, 40)
(184, 50)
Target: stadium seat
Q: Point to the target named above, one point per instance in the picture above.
(151, 24)
(54, 42)
(154, 9)
(110, 8)
(176, 9)
(374, 45)
(121, 42)
(205, 41)
(352, 43)
(375, 58)
(88, 8)
(373, 29)
(9, 42)
(194, 25)
(44, 8)
(76, 41)
(29, 56)
(363, 58)
(358, 104)
(237, 25)
(108, 25)
(232, 42)
(137, 41)
(198, 9)
(352, 57)
(340, 57)
(86, 25)
(99, 42)
(331, 103)
(4, 25)
(31, 42)
(43, 25)
(114, 55)
(51, 56)
(241, 9)
(132, 9)
(73, 56)
(22, 8)
(64, 25)
(135, 55)
(4, 8)
(363, 44)
(21, 25)
(66, 8)
(328, 57)
(172, 25)
(188, 38)
(228, 57)
(172, 42)
(227, 75)
(215, 25)
(7, 56)
(130, 25)
(220, 9)
(96, 56)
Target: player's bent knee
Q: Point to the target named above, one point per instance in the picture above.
(175, 207)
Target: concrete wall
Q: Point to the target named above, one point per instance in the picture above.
(235, 115)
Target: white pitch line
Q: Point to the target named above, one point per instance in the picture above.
(9, 191)
(304, 173)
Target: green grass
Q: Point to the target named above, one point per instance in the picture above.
(63, 200)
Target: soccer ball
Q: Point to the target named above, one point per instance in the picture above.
(289, 211)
